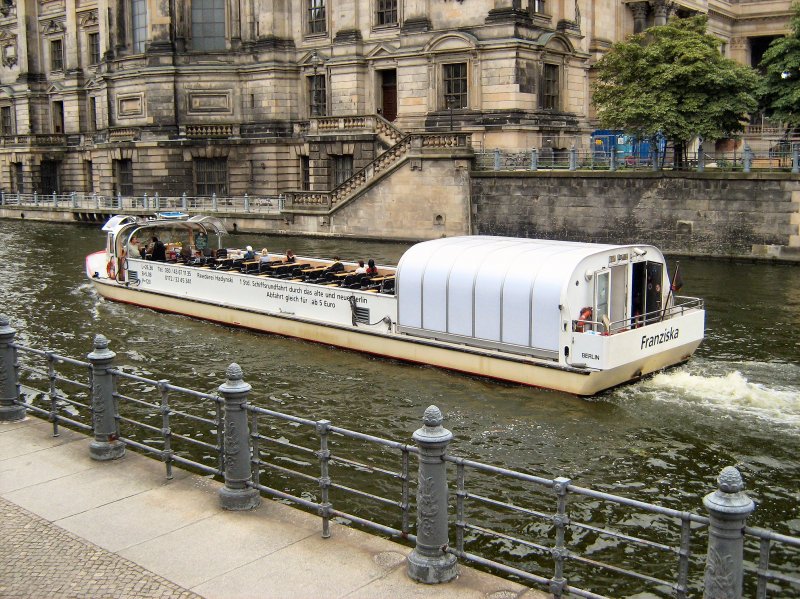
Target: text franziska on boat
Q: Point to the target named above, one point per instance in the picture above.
(576, 317)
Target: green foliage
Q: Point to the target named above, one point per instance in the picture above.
(779, 95)
(673, 80)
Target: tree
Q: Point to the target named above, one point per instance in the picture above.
(780, 87)
(672, 80)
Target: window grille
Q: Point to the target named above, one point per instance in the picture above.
(342, 168)
(305, 173)
(49, 176)
(208, 24)
(550, 85)
(16, 178)
(317, 95)
(455, 85)
(211, 176)
(387, 12)
(123, 172)
(6, 126)
(56, 55)
(316, 16)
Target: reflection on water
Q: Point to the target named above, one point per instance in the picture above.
(663, 440)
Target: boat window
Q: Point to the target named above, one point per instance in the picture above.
(601, 295)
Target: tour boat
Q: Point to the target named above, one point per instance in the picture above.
(574, 317)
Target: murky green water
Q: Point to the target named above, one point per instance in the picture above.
(663, 440)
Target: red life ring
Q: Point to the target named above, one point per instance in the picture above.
(586, 316)
(111, 269)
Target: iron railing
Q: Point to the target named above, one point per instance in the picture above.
(256, 204)
(546, 531)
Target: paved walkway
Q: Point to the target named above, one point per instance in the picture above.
(73, 527)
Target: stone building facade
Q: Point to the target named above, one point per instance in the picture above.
(263, 97)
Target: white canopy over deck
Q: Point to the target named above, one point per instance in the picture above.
(503, 292)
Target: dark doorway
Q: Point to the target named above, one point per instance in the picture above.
(759, 45)
(646, 292)
(58, 117)
(389, 94)
(49, 176)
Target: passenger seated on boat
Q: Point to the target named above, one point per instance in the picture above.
(249, 253)
(361, 270)
(133, 248)
(185, 254)
(264, 256)
(371, 268)
(222, 253)
(337, 266)
(158, 251)
(208, 252)
(290, 258)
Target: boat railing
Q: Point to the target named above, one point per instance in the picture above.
(259, 204)
(680, 306)
(546, 530)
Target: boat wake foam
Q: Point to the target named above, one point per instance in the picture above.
(731, 392)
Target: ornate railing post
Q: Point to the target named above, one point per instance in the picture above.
(655, 152)
(74, 199)
(429, 562)
(106, 444)
(496, 159)
(534, 159)
(612, 163)
(246, 203)
(10, 410)
(236, 495)
(795, 158)
(573, 159)
(183, 201)
(747, 159)
(561, 522)
(701, 157)
(156, 201)
(728, 508)
(214, 201)
(145, 201)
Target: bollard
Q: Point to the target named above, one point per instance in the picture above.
(145, 201)
(728, 509)
(236, 495)
(106, 444)
(496, 159)
(429, 562)
(214, 201)
(183, 201)
(10, 409)
(36, 198)
(612, 164)
(55, 200)
(156, 202)
(747, 159)
(573, 159)
(796, 159)
(74, 199)
(534, 159)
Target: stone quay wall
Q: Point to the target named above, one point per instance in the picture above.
(715, 214)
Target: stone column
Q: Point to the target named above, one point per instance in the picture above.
(640, 11)
(728, 508)
(429, 562)
(71, 48)
(661, 10)
(10, 410)
(106, 444)
(236, 495)
(159, 20)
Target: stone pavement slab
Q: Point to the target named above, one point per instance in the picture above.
(80, 528)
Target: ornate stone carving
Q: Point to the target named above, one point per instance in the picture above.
(427, 506)
(89, 19)
(719, 580)
(53, 26)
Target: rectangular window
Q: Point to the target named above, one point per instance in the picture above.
(6, 126)
(387, 12)
(208, 25)
(305, 173)
(455, 85)
(537, 6)
(58, 117)
(16, 178)
(93, 41)
(316, 16)
(88, 172)
(550, 85)
(56, 55)
(139, 24)
(317, 95)
(92, 114)
(342, 169)
(211, 176)
(123, 175)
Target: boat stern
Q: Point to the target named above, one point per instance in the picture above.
(96, 265)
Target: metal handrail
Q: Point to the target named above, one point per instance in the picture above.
(681, 305)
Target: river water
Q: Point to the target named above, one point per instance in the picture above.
(663, 440)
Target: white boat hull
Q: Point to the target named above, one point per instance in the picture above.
(476, 361)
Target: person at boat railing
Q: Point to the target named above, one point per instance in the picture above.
(290, 258)
(361, 270)
(372, 270)
(249, 253)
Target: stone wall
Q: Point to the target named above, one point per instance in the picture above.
(702, 214)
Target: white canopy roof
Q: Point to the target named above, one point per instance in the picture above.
(499, 289)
